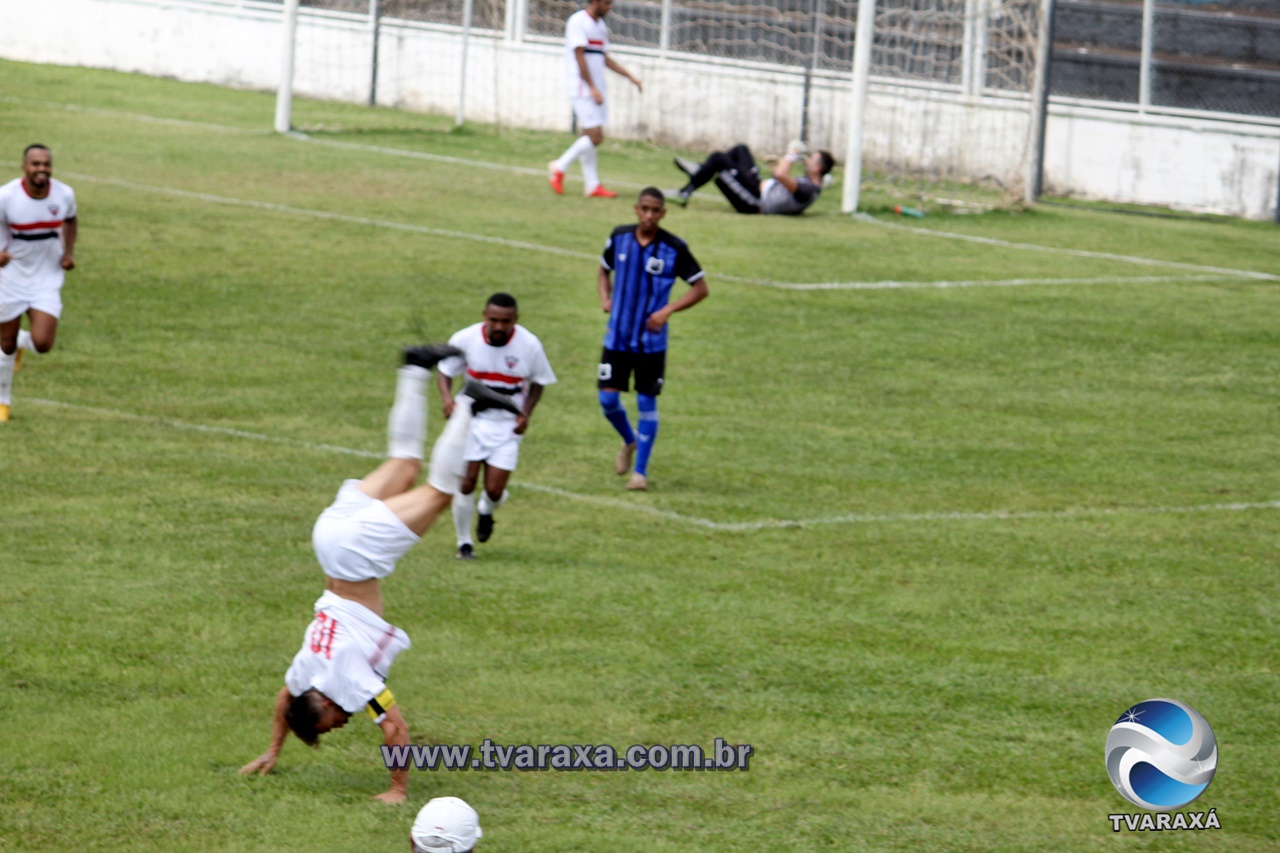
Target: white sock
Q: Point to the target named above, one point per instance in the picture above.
(580, 145)
(464, 508)
(24, 341)
(486, 505)
(589, 173)
(448, 456)
(6, 375)
(407, 423)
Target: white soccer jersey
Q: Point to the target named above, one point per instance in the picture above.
(508, 369)
(346, 654)
(584, 31)
(32, 230)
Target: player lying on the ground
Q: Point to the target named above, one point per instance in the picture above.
(348, 648)
(738, 177)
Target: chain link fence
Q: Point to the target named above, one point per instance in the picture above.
(1213, 55)
(1221, 56)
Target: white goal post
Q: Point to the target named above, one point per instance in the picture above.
(288, 49)
(944, 104)
(942, 84)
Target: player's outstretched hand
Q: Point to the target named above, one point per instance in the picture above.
(261, 765)
(392, 797)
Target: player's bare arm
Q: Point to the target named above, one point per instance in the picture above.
(395, 732)
(782, 173)
(531, 399)
(604, 286)
(618, 69)
(279, 731)
(68, 243)
(585, 74)
(445, 384)
(697, 292)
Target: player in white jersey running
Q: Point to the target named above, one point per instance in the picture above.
(348, 648)
(508, 359)
(586, 56)
(37, 247)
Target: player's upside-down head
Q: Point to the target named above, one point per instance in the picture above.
(312, 714)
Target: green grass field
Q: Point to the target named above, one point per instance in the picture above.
(919, 546)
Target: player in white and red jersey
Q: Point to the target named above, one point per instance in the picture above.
(37, 247)
(348, 648)
(508, 359)
(586, 56)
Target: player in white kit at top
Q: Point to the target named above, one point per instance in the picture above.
(37, 247)
(508, 359)
(586, 46)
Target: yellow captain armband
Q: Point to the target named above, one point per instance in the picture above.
(378, 705)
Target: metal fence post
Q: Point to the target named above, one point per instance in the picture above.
(815, 16)
(373, 53)
(1144, 68)
(664, 33)
(1040, 104)
(462, 70)
(1278, 196)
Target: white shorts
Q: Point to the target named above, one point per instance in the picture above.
(494, 442)
(359, 537)
(589, 113)
(50, 302)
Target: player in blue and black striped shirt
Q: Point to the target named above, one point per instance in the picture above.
(644, 262)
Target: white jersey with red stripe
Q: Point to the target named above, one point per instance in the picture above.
(346, 654)
(508, 369)
(31, 231)
(590, 34)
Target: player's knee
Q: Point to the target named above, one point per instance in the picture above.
(648, 405)
(610, 401)
(468, 485)
(42, 345)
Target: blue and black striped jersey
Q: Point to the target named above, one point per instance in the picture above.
(642, 280)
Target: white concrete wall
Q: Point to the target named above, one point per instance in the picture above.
(1188, 163)
(1194, 164)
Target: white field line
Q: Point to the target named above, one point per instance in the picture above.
(335, 217)
(1079, 253)
(138, 117)
(554, 250)
(521, 170)
(942, 285)
(691, 520)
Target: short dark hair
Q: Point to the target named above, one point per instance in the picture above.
(652, 192)
(303, 715)
(33, 147)
(828, 162)
(502, 300)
